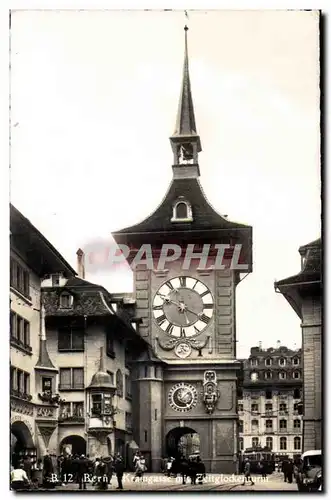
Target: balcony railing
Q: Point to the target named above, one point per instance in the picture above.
(71, 419)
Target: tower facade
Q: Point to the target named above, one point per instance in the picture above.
(186, 389)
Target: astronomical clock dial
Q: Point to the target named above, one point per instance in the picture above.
(183, 397)
(183, 307)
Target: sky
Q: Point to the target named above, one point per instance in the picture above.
(94, 97)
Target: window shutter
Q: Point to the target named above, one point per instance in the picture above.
(77, 339)
(64, 339)
(78, 378)
(65, 378)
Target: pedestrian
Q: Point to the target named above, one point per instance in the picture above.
(82, 469)
(140, 468)
(192, 471)
(284, 469)
(108, 461)
(135, 458)
(290, 470)
(102, 478)
(48, 471)
(264, 468)
(184, 468)
(37, 472)
(201, 470)
(119, 470)
(169, 466)
(18, 478)
(27, 466)
(247, 472)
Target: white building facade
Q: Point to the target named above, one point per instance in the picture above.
(269, 401)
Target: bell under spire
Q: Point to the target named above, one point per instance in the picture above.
(185, 141)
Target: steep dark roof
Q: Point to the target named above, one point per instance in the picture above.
(79, 282)
(44, 360)
(204, 216)
(311, 271)
(41, 255)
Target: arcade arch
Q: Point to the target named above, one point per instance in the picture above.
(21, 442)
(73, 445)
(182, 441)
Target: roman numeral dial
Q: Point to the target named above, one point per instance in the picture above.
(183, 307)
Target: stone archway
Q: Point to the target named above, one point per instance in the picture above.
(21, 442)
(182, 441)
(73, 445)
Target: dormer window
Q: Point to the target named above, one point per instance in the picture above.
(55, 279)
(66, 301)
(181, 211)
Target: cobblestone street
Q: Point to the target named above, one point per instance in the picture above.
(213, 482)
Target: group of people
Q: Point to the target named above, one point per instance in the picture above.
(52, 471)
(192, 468)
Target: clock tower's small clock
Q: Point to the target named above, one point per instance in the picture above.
(183, 307)
(183, 397)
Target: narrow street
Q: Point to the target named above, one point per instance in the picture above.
(213, 482)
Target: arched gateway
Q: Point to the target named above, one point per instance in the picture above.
(73, 445)
(182, 441)
(21, 442)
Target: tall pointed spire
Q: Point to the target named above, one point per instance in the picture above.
(185, 140)
(185, 124)
(44, 360)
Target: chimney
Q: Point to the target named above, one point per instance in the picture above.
(80, 263)
(260, 345)
(278, 344)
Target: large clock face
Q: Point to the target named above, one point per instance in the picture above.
(183, 397)
(183, 307)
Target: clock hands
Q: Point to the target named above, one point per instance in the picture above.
(181, 306)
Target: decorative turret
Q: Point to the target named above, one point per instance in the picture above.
(101, 379)
(44, 361)
(46, 371)
(185, 141)
(101, 410)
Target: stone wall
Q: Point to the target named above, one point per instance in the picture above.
(311, 339)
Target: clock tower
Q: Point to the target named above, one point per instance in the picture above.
(186, 384)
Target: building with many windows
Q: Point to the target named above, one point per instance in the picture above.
(269, 399)
(31, 257)
(91, 339)
(70, 358)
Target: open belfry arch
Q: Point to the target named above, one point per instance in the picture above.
(188, 378)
